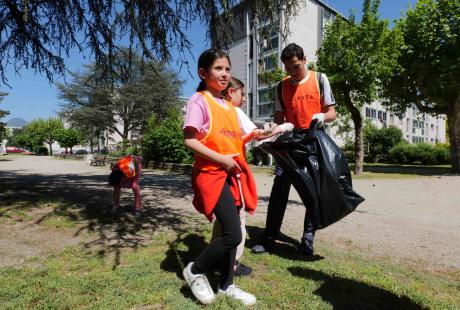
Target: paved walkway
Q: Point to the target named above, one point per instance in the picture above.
(414, 219)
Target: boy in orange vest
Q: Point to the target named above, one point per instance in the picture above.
(301, 97)
(125, 174)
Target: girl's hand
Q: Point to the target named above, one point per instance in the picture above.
(229, 164)
(259, 132)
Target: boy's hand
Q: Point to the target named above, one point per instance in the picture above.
(286, 127)
(321, 117)
(229, 164)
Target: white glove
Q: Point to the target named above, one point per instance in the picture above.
(286, 127)
(320, 117)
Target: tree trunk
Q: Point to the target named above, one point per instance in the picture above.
(359, 140)
(51, 148)
(453, 120)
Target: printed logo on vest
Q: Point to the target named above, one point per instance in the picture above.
(229, 133)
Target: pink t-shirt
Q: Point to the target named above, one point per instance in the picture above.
(197, 115)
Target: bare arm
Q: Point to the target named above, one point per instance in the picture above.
(226, 161)
(329, 113)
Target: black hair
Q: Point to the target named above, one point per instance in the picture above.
(292, 50)
(206, 60)
(115, 177)
(235, 83)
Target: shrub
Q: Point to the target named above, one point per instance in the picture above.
(349, 150)
(132, 151)
(163, 140)
(40, 150)
(423, 153)
(378, 142)
(403, 153)
(442, 151)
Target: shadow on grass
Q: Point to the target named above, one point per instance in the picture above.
(285, 246)
(87, 199)
(343, 293)
(183, 250)
(407, 169)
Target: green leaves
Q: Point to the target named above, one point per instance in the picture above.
(163, 140)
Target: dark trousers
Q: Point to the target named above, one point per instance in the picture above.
(221, 251)
(277, 206)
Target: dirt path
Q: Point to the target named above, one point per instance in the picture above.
(415, 220)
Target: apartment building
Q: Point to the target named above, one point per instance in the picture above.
(416, 127)
(252, 55)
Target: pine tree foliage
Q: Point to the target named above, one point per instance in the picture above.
(39, 34)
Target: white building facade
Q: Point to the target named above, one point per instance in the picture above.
(250, 56)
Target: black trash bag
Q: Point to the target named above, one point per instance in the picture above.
(319, 171)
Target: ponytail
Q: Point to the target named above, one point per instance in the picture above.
(201, 86)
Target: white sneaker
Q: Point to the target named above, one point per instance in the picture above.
(199, 285)
(235, 292)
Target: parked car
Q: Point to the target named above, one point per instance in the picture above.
(14, 149)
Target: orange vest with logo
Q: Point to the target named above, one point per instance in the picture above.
(301, 101)
(224, 135)
(127, 166)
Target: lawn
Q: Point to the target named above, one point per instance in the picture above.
(150, 278)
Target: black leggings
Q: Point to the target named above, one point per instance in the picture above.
(222, 251)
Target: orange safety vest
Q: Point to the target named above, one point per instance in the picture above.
(208, 178)
(301, 101)
(127, 166)
(224, 134)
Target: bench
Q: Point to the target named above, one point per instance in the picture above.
(98, 161)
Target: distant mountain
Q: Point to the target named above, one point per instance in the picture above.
(16, 122)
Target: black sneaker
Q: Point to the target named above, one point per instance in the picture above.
(242, 270)
(266, 245)
(306, 248)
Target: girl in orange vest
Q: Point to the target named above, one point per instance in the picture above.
(125, 174)
(235, 93)
(221, 179)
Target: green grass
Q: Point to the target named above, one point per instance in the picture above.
(151, 276)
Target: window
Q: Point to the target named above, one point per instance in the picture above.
(264, 105)
(264, 110)
(327, 17)
(264, 96)
(270, 62)
(371, 113)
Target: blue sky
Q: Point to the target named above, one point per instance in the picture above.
(32, 96)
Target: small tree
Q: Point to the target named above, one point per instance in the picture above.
(429, 72)
(3, 113)
(357, 58)
(43, 131)
(68, 138)
(163, 140)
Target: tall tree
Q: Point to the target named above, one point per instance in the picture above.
(429, 76)
(3, 113)
(357, 57)
(123, 100)
(38, 34)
